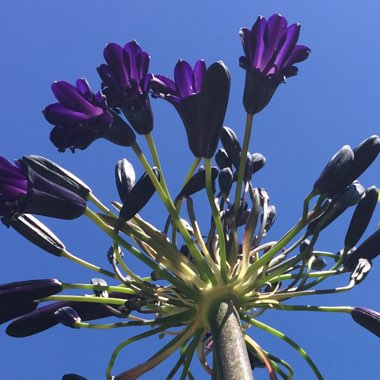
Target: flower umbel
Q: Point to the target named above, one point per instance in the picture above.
(270, 54)
(212, 275)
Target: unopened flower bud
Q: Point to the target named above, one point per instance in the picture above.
(73, 376)
(67, 316)
(231, 144)
(367, 318)
(331, 179)
(222, 159)
(36, 232)
(196, 183)
(369, 249)
(31, 290)
(361, 217)
(56, 174)
(125, 178)
(138, 196)
(225, 180)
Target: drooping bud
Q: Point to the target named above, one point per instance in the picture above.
(43, 318)
(231, 144)
(68, 317)
(367, 318)
(196, 183)
(9, 311)
(138, 196)
(369, 249)
(31, 290)
(225, 180)
(36, 232)
(56, 174)
(350, 196)
(331, 179)
(364, 154)
(125, 178)
(257, 162)
(361, 217)
(222, 159)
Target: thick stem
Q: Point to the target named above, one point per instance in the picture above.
(230, 352)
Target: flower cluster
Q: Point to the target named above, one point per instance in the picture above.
(207, 288)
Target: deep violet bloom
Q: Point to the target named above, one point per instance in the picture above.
(200, 96)
(22, 190)
(126, 83)
(80, 117)
(270, 54)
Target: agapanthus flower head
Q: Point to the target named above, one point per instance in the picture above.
(270, 54)
(22, 190)
(80, 117)
(126, 83)
(200, 96)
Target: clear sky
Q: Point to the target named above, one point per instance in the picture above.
(333, 101)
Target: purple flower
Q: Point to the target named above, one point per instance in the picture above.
(200, 96)
(22, 190)
(270, 54)
(80, 117)
(126, 83)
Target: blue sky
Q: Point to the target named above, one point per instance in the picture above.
(333, 101)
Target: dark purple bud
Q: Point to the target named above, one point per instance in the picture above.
(350, 196)
(68, 317)
(73, 376)
(196, 183)
(56, 174)
(364, 154)
(222, 159)
(231, 144)
(369, 250)
(333, 175)
(23, 191)
(270, 54)
(43, 318)
(125, 178)
(361, 271)
(225, 180)
(319, 263)
(361, 217)
(325, 219)
(31, 290)
(257, 162)
(213, 105)
(271, 217)
(367, 318)
(11, 310)
(134, 303)
(138, 196)
(37, 233)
